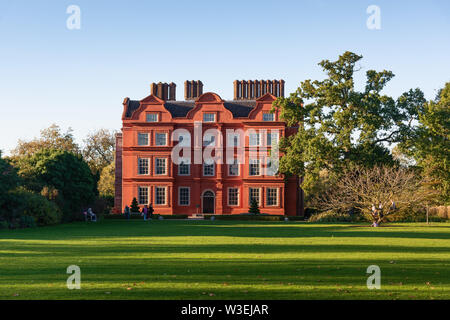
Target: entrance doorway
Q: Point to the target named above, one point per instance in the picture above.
(208, 200)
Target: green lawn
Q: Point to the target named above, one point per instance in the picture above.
(225, 260)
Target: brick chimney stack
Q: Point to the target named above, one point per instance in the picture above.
(253, 89)
(192, 89)
(164, 91)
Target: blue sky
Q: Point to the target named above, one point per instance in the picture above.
(78, 78)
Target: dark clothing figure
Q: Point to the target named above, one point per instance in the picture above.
(127, 212)
(150, 211)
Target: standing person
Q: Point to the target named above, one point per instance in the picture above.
(150, 211)
(145, 212)
(127, 212)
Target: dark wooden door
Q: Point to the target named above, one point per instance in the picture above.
(208, 202)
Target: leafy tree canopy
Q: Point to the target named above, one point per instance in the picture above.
(59, 170)
(51, 138)
(429, 143)
(339, 125)
(99, 148)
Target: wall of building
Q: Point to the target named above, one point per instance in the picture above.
(289, 197)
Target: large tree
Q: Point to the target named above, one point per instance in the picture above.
(51, 138)
(59, 175)
(8, 181)
(429, 143)
(339, 125)
(99, 148)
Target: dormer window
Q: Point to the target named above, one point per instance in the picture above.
(209, 117)
(151, 117)
(268, 117)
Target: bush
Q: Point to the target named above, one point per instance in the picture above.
(331, 216)
(249, 217)
(28, 204)
(4, 224)
(134, 205)
(27, 222)
(254, 207)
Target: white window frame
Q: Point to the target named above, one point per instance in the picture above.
(189, 196)
(156, 167)
(209, 114)
(139, 195)
(165, 139)
(213, 169)
(235, 163)
(272, 116)
(206, 142)
(250, 197)
(258, 141)
(250, 163)
(147, 117)
(139, 166)
(277, 199)
(272, 135)
(188, 166)
(142, 134)
(156, 195)
(237, 197)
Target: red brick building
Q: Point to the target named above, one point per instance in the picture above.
(158, 125)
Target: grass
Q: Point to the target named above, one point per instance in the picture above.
(225, 260)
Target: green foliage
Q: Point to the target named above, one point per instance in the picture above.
(134, 205)
(339, 125)
(429, 143)
(99, 148)
(51, 138)
(26, 203)
(65, 172)
(107, 179)
(254, 207)
(27, 222)
(8, 181)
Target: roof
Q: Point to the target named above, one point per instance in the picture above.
(179, 109)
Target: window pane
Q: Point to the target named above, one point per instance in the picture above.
(161, 139)
(209, 140)
(253, 194)
(272, 138)
(233, 168)
(143, 139)
(272, 196)
(152, 117)
(160, 166)
(254, 167)
(208, 169)
(184, 196)
(184, 168)
(268, 117)
(233, 196)
(143, 195)
(254, 139)
(143, 166)
(160, 195)
(209, 117)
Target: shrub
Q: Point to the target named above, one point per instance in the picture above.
(27, 222)
(330, 216)
(26, 203)
(254, 207)
(134, 205)
(3, 224)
